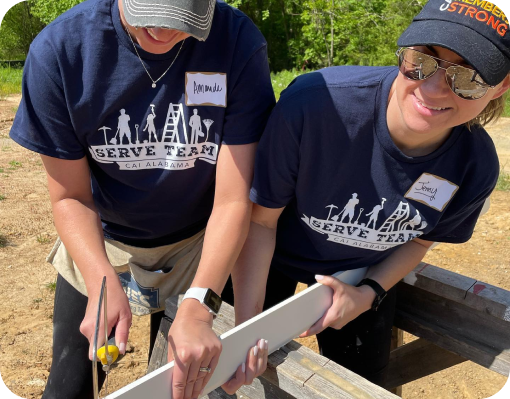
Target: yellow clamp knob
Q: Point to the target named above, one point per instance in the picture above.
(113, 351)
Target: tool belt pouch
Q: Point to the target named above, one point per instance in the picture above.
(148, 275)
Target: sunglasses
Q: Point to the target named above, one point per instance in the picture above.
(465, 83)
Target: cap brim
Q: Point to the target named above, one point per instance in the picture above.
(189, 16)
(473, 47)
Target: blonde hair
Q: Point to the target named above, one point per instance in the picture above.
(491, 113)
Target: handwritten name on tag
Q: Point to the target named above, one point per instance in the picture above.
(433, 191)
(206, 88)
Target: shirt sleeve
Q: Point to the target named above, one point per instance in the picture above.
(250, 101)
(42, 123)
(276, 163)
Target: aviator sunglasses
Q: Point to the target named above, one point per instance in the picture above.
(465, 83)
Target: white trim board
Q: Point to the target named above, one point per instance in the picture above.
(279, 325)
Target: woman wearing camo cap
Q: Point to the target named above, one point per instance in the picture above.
(146, 114)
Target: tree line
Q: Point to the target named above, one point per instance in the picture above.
(301, 34)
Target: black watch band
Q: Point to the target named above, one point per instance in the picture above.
(380, 293)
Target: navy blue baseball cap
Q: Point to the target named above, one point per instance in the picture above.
(478, 32)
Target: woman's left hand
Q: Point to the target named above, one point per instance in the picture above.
(255, 365)
(348, 303)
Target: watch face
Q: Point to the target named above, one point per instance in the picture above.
(213, 301)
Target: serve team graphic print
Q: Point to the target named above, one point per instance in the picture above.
(135, 146)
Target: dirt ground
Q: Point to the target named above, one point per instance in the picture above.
(27, 281)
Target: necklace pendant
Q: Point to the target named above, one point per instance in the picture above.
(154, 85)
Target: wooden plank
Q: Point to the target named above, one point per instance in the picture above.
(294, 346)
(438, 281)
(459, 314)
(354, 386)
(455, 326)
(259, 389)
(489, 299)
(171, 306)
(397, 340)
(278, 325)
(160, 351)
(155, 385)
(418, 359)
(307, 375)
(461, 289)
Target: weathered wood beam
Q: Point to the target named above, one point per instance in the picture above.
(457, 313)
(461, 317)
(397, 340)
(294, 371)
(418, 359)
(160, 351)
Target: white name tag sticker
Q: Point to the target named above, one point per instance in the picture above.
(206, 88)
(433, 191)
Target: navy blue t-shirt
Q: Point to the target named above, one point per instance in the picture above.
(152, 151)
(351, 196)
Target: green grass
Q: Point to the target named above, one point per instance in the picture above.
(10, 81)
(3, 241)
(282, 79)
(506, 112)
(52, 286)
(15, 164)
(503, 183)
(43, 239)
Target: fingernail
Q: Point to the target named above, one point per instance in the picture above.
(122, 348)
(266, 344)
(243, 367)
(261, 344)
(319, 277)
(255, 350)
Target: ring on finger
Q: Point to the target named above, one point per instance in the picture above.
(204, 369)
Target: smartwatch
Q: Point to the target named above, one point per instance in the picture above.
(380, 293)
(207, 297)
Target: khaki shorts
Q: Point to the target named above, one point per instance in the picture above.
(148, 275)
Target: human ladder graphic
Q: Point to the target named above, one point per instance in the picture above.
(174, 115)
(402, 212)
(345, 228)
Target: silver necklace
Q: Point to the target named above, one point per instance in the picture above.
(143, 64)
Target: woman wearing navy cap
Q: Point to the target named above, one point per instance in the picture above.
(367, 167)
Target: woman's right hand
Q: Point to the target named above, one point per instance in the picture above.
(79, 226)
(118, 314)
